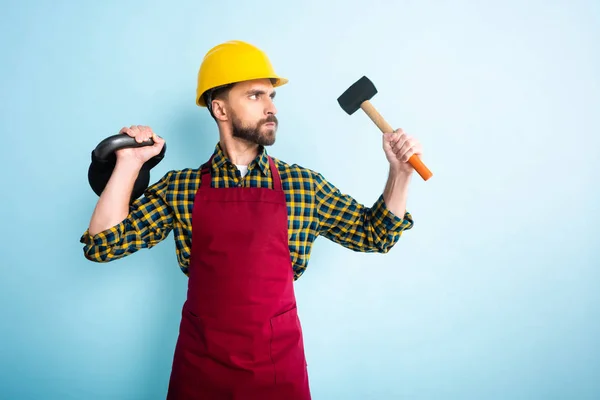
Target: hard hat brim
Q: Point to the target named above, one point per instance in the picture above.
(279, 81)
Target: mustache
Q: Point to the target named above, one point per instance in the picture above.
(270, 118)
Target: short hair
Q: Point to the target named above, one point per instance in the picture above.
(218, 92)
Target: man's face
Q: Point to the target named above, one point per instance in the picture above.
(253, 111)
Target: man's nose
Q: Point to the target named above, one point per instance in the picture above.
(270, 108)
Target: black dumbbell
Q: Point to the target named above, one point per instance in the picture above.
(104, 160)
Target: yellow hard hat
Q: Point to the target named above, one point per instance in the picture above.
(231, 62)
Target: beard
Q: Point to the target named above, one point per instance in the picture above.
(253, 133)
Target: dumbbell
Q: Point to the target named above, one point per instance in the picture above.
(104, 160)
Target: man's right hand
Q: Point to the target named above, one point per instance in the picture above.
(139, 155)
(113, 204)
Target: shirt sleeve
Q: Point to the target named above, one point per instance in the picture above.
(345, 221)
(150, 220)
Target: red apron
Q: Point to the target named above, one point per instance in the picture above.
(240, 336)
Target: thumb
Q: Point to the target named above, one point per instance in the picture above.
(157, 139)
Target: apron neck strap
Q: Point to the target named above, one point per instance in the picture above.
(207, 178)
(275, 174)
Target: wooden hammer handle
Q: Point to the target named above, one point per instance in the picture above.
(414, 160)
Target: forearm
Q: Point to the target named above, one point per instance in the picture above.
(367, 229)
(395, 193)
(113, 205)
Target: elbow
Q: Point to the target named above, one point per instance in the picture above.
(382, 249)
(370, 246)
(93, 257)
(385, 244)
(98, 255)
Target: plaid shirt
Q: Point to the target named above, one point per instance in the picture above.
(315, 207)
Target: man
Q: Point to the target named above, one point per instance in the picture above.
(244, 224)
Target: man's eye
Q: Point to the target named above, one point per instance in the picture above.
(253, 96)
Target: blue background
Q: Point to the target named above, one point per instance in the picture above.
(492, 295)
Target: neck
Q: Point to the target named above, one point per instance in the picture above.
(238, 151)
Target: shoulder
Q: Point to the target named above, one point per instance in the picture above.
(296, 176)
(294, 170)
(178, 179)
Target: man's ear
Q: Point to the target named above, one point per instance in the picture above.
(219, 110)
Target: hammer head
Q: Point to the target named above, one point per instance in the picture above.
(362, 90)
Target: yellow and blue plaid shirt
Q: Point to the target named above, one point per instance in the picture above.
(315, 208)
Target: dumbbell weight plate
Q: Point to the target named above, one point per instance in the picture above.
(104, 160)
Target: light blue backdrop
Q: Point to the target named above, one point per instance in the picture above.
(493, 294)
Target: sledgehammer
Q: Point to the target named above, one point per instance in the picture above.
(358, 96)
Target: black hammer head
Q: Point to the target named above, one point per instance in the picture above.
(355, 95)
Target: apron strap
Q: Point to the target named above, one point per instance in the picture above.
(275, 174)
(207, 178)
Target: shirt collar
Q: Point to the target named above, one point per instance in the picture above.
(262, 160)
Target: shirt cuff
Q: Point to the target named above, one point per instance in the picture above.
(107, 238)
(382, 216)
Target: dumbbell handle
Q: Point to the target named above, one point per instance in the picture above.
(381, 123)
(108, 146)
(104, 159)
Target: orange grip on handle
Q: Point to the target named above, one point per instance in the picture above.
(414, 160)
(421, 169)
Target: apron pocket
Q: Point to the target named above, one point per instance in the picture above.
(287, 347)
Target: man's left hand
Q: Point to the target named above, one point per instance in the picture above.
(398, 148)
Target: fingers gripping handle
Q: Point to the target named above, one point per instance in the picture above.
(414, 160)
(108, 146)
